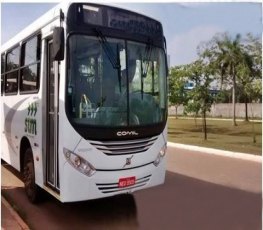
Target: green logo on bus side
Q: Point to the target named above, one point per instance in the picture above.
(31, 123)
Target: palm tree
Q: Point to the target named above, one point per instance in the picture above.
(250, 69)
(228, 55)
(246, 76)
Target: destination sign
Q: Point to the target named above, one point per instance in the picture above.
(133, 23)
(121, 19)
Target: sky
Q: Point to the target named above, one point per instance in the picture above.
(185, 25)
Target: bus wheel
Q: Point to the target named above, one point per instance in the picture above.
(31, 188)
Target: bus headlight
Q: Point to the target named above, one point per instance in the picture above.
(79, 163)
(160, 155)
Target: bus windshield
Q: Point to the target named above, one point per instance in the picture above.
(115, 83)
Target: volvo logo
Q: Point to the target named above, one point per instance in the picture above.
(125, 133)
(128, 161)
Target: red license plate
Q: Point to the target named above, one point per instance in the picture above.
(126, 182)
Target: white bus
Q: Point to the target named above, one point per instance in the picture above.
(84, 102)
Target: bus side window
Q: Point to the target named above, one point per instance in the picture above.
(2, 72)
(30, 69)
(2, 83)
(12, 69)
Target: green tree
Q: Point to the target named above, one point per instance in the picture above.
(249, 69)
(224, 55)
(199, 98)
(229, 57)
(177, 81)
(223, 96)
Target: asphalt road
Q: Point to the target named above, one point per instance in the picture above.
(203, 192)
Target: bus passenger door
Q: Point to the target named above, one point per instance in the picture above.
(52, 119)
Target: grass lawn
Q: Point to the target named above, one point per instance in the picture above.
(221, 134)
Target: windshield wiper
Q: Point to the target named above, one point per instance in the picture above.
(147, 57)
(114, 60)
(119, 65)
(107, 49)
(142, 86)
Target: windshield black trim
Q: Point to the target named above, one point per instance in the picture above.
(102, 133)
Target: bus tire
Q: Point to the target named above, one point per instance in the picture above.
(31, 188)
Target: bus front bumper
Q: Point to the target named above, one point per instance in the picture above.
(76, 186)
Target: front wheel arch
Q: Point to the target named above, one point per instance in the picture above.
(31, 188)
(24, 145)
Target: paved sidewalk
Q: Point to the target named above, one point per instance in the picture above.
(10, 219)
(214, 119)
(219, 152)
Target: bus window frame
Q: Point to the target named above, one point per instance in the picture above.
(19, 69)
(3, 73)
(38, 63)
(12, 70)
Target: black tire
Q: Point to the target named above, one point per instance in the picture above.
(31, 188)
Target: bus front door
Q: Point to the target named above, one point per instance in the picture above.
(52, 118)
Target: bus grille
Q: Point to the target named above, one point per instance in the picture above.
(114, 187)
(124, 147)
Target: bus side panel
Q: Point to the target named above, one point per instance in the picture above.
(14, 111)
(21, 119)
(35, 137)
(4, 144)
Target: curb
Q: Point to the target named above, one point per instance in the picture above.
(15, 215)
(214, 119)
(218, 152)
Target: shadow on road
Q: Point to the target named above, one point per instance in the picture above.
(118, 212)
(185, 203)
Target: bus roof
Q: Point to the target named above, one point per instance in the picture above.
(48, 17)
(34, 26)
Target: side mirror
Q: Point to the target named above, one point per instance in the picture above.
(58, 44)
